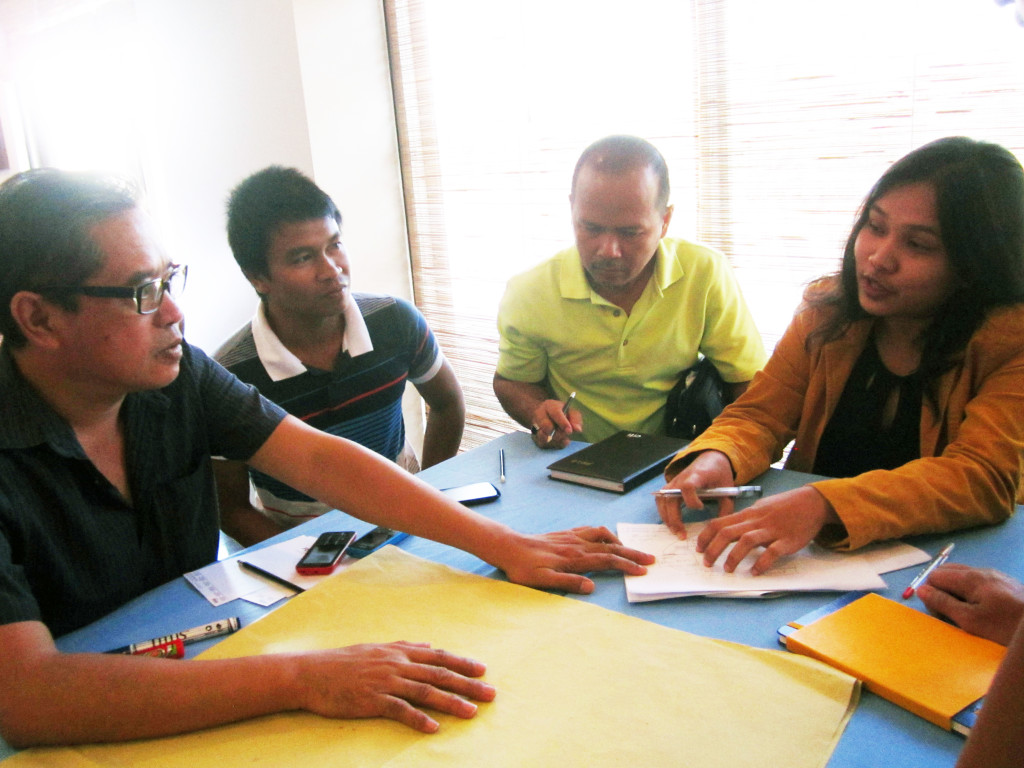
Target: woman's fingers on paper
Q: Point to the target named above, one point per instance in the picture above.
(670, 510)
(740, 531)
(726, 506)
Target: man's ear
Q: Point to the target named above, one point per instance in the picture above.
(260, 283)
(36, 318)
(666, 219)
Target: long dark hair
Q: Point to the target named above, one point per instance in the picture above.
(979, 194)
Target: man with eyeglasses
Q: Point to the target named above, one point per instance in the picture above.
(108, 420)
(147, 297)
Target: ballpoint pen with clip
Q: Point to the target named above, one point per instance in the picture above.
(565, 412)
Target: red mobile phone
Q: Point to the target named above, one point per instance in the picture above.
(325, 553)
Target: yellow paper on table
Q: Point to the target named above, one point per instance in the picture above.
(578, 685)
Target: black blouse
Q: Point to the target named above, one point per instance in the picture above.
(876, 424)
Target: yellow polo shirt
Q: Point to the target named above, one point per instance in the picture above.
(554, 326)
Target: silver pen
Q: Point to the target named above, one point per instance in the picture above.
(724, 492)
(565, 412)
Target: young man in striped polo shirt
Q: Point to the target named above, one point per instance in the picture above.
(338, 360)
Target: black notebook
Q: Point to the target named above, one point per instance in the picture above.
(618, 463)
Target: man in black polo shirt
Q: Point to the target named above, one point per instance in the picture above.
(108, 419)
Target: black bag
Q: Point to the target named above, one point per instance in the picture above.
(696, 399)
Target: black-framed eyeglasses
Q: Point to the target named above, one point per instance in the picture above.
(148, 297)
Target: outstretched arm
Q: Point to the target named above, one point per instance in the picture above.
(239, 519)
(110, 697)
(350, 477)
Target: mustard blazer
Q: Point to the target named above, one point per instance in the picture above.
(972, 446)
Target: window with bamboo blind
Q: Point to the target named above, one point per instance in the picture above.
(775, 119)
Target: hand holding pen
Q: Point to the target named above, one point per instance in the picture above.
(563, 423)
(918, 580)
(710, 469)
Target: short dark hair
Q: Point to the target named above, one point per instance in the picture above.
(265, 200)
(45, 218)
(979, 199)
(617, 154)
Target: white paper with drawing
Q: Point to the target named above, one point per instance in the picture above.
(679, 570)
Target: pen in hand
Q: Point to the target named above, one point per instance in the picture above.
(724, 492)
(938, 560)
(565, 412)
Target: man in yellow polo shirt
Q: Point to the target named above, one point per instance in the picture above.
(617, 318)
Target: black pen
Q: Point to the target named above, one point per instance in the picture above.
(270, 576)
(565, 412)
(501, 463)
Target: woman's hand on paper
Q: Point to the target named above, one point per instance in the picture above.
(710, 469)
(981, 601)
(782, 524)
(394, 681)
(558, 560)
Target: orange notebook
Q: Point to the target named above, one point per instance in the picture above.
(917, 661)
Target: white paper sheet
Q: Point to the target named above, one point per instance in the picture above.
(224, 581)
(679, 570)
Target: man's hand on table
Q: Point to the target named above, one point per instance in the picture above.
(395, 681)
(558, 560)
(981, 601)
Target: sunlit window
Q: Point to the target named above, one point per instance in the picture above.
(775, 119)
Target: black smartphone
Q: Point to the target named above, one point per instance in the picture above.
(474, 493)
(325, 553)
(374, 540)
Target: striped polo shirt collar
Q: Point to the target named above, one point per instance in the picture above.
(279, 361)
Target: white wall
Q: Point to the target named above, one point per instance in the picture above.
(248, 83)
(353, 140)
(226, 87)
(231, 102)
(352, 134)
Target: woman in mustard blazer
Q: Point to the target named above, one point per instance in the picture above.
(902, 376)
